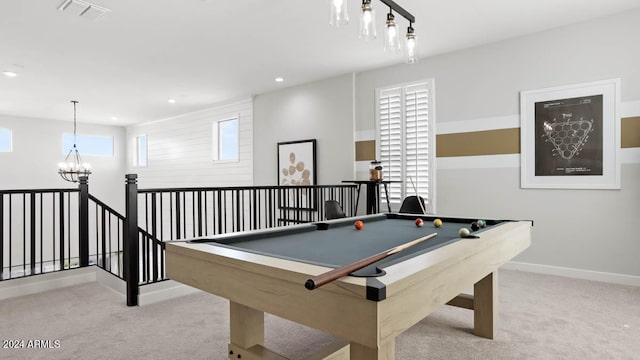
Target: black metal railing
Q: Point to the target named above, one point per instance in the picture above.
(106, 240)
(55, 229)
(151, 258)
(180, 213)
(48, 230)
(38, 231)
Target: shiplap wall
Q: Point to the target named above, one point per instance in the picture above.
(180, 149)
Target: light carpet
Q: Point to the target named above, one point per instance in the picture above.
(540, 317)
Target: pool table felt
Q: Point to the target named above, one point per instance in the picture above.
(338, 243)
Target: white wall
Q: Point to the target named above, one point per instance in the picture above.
(581, 229)
(180, 150)
(37, 150)
(321, 110)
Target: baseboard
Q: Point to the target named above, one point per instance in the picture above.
(111, 281)
(45, 282)
(613, 278)
(149, 294)
(165, 290)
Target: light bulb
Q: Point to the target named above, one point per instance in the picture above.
(366, 17)
(391, 36)
(338, 14)
(411, 47)
(367, 21)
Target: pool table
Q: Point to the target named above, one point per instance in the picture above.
(265, 271)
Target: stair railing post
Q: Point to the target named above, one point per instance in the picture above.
(131, 255)
(83, 222)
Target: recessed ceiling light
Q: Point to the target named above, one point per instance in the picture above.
(9, 74)
(279, 79)
(172, 101)
(114, 118)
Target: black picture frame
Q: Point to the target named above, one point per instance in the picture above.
(297, 168)
(570, 137)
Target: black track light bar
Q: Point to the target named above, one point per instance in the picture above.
(397, 8)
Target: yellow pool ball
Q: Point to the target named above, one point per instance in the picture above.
(437, 223)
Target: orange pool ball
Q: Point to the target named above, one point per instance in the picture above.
(358, 225)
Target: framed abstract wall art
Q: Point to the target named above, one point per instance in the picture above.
(297, 167)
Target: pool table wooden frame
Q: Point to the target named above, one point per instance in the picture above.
(255, 284)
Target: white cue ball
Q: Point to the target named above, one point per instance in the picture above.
(463, 232)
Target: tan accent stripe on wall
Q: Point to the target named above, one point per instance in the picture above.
(630, 132)
(365, 150)
(489, 142)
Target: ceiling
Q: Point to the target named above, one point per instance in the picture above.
(125, 66)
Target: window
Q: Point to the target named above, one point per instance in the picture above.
(141, 151)
(226, 140)
(406, 141)
(5, 140)
(88, 144)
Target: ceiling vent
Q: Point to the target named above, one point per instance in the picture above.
(82, 8)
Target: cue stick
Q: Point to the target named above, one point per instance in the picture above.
(322, 279)
(417, 196)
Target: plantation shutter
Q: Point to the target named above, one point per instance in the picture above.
(390, 140)
(416, 102)
(404, 141)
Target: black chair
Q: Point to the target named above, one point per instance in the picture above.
(333, 210)
(411, 205)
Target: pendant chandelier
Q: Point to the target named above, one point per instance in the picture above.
(338, 16)
(73, 168)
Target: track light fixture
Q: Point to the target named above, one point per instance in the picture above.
(367, 29)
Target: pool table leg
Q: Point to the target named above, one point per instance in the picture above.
(247, 328)
(386, 351)
(485, 303)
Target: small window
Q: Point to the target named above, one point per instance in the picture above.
(88, 144)
(5, 140)
(141, 151)
(226, 140)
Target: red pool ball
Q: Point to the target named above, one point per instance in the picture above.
(358, 225)
(419, 222)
